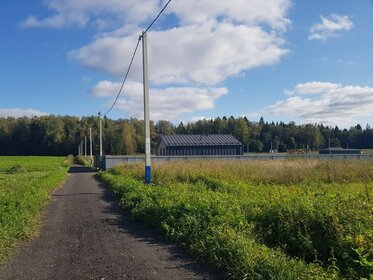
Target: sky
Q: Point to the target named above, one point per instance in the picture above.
(308, 61)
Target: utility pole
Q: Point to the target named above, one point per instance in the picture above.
(99, 115)
(85, 146)
(90, 146)
(148, 171)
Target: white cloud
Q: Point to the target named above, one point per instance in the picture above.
(101, 13)
(207, 54)
(196, 119)
(167, 103)
(105, 12)
(56, 21)
(248, 12)
(105, 89)
(17, 113)
(211, 41)
(315, 87)
(330, 27)
(328, 103)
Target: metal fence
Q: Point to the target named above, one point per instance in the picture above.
(107, 162)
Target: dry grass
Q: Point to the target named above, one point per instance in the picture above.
(282, 172)
(287, 215)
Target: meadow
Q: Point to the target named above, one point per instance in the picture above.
(25, 184)
(285, 219)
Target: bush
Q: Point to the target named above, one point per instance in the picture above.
(83, 160)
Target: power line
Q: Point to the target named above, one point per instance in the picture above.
(156, 18)
(125, 77)
(133, 57)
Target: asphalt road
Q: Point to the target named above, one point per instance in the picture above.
(86, 235)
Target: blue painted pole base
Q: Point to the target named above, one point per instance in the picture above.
(148, 174)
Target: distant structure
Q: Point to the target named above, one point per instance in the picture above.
(198, 145)
(339, 151)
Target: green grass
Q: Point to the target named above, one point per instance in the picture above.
(23, 194)
(289, 219)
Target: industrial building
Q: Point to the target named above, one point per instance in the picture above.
(199, 145)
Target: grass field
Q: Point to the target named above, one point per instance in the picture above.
(25, 183)
(291, 219)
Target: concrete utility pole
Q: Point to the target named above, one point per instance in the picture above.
(99, 115)
(148, 171)
(85, 146)
(90, 147)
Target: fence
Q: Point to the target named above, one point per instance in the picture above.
(109, 161)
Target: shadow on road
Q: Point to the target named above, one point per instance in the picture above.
(142, 233)
(72, 194)
(80, 169)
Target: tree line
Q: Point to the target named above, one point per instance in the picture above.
(61, 135)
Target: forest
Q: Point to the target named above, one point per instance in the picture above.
(61, 135)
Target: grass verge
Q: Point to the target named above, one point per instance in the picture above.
(25, 184)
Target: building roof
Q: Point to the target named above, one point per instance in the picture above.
(200, 140)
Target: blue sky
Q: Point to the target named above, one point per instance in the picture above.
(303, 61)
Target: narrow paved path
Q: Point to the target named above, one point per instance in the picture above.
(86, 235)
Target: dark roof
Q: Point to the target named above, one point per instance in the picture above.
(200, 140)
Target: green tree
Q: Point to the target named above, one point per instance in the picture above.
(164, 128)
(129, 138)
(241, 130)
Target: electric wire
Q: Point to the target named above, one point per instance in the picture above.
(133, 57)
(156, 18)
(125, 77)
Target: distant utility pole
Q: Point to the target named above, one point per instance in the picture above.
(90, 147)
(85, 146)
(99, 115)
(148, 171)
